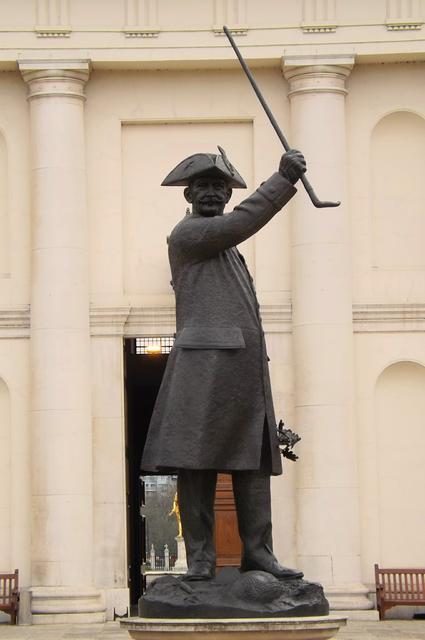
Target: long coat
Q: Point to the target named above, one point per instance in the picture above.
(215, 398)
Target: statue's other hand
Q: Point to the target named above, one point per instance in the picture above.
(292, 165)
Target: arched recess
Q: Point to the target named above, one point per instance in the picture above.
(5, 480)
(398, 170)
(400, 425)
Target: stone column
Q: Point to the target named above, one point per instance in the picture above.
(62, 524)
(327, 498)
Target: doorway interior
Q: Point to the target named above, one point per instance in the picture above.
(150, 498)
(145, 360)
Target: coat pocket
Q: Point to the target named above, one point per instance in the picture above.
(210, 338)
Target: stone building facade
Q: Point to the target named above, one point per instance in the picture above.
(98, 100)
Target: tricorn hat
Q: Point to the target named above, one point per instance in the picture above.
(193, 166)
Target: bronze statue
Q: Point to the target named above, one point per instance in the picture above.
(214, 411)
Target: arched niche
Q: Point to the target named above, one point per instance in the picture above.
(398, 170)
(400, 426)
(4, 213)
(5, 480)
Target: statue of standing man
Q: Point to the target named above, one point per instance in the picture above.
(214, 411)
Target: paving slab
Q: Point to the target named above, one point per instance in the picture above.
(105, 631)
(384, 630)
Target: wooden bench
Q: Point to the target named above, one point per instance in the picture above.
(396, 587)
(9, 595)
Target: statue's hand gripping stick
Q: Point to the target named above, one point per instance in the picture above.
(315, 200)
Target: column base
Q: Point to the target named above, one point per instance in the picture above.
(67, 605)
(348, 597)
(117, 602)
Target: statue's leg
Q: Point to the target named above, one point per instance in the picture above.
(196, 494)
(253, 505)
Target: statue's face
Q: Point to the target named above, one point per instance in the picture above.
(208, 194)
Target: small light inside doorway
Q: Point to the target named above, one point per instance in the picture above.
(154, 345)
(153, 349)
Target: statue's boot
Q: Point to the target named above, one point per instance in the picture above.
(196, 494)
(253, 503)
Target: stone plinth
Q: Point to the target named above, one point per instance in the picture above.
(181, 562)
(312, 628)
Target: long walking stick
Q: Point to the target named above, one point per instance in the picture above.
(315, 200)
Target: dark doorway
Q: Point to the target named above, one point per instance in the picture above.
(144, 367)
(143, 372)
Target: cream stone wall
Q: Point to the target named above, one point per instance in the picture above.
(120, 91)
(109, 488)
(15, 448)
(386, 115)
(15, 456)
(390, 389)
(386, 121)
(5, 462)
(136, 140)
(15, 193)
(399, 415)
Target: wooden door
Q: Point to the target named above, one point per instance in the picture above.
(227, 541)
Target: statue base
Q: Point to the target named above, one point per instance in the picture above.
(181, 563)
(232, 594)
(311, 628)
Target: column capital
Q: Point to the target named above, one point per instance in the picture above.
(55, 77)
(317, 74)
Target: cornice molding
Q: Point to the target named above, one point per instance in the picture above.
(146, 35)
(108, 321)
(141, 19)
(277, 318)
(319, 28)
(151, 321)
(404, 15)
(137, 321)
(15, 322)
(52, 32)
(142, 32)
(367, 318)
(385, 318)
(319, 16)
(132, 321)
(402, 25)
(241, 30)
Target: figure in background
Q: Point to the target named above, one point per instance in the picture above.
(176, 511)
